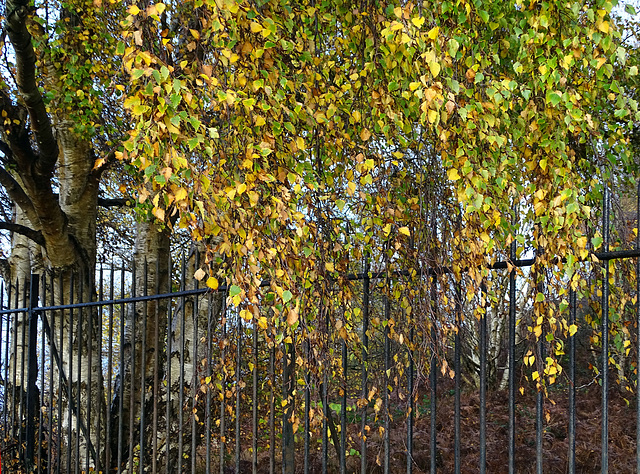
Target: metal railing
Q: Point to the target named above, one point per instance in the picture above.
(194, 388)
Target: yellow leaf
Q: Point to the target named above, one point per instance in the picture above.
(453, 175)
(159, 213)
(537, 331)
(181, 194)
(256, 27)
(418, 21)
(365, 134)
(134, 10)
(433, 33)
(212, 283)
(160, 7)
(434, 67)
(432, 115)
(386, 229)
(404, 231)
(99, 162)
(293, 316)
(329, 266)
(572, 329)
(351, 188)
(604, 27)
(543, 164)
(195, 34)
(535, 375)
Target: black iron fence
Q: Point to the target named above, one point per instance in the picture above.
(124, 381)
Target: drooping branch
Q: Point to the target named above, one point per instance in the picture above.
(23, 230)
(20, 38)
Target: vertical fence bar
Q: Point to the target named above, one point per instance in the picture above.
(99, 309)
(223, 399)
(23, 360)
(410, 415)
(4, 341)
(572, 383)
(195, 361)
(78, 409)
(483, 380)
(387, 369)
(43, 409)
(457, 366)
(433, 379)
(50, 440)
(605, 334)
(14, 348)
(156, 372)
(325, 402)
(89, 370)
(512, 356)
(540, 406)
(4, 344)
(272, 407)
(22, 407)
(237, 385)
(121, 440)
(107, 446)
(170, 333)
(143, 366)
(15, 406)
(254, 396)
(32, 376)
(343, 408)
(70, 379)
(60, 383)
(183, 320)
(638, 332)
(365, 362)
(132, 345)
(14, 375)
(288, 386)
(209, 408)
(307, 402)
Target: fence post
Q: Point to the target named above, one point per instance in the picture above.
(288, 381)
(32, 374)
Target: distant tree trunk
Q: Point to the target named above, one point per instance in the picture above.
(194, 322)
(143, 343)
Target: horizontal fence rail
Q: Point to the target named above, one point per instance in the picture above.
(175, 380)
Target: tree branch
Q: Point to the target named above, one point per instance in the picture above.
(23, 230)
(115, 202)
(18, 195)
(20, 38)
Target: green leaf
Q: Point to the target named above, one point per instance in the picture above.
(286, 296)
(234, 290)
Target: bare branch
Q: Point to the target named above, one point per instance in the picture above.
(18, 195)
(23, 230)
(115, 202)
(20, 38)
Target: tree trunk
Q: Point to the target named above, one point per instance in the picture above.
(138, 383)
